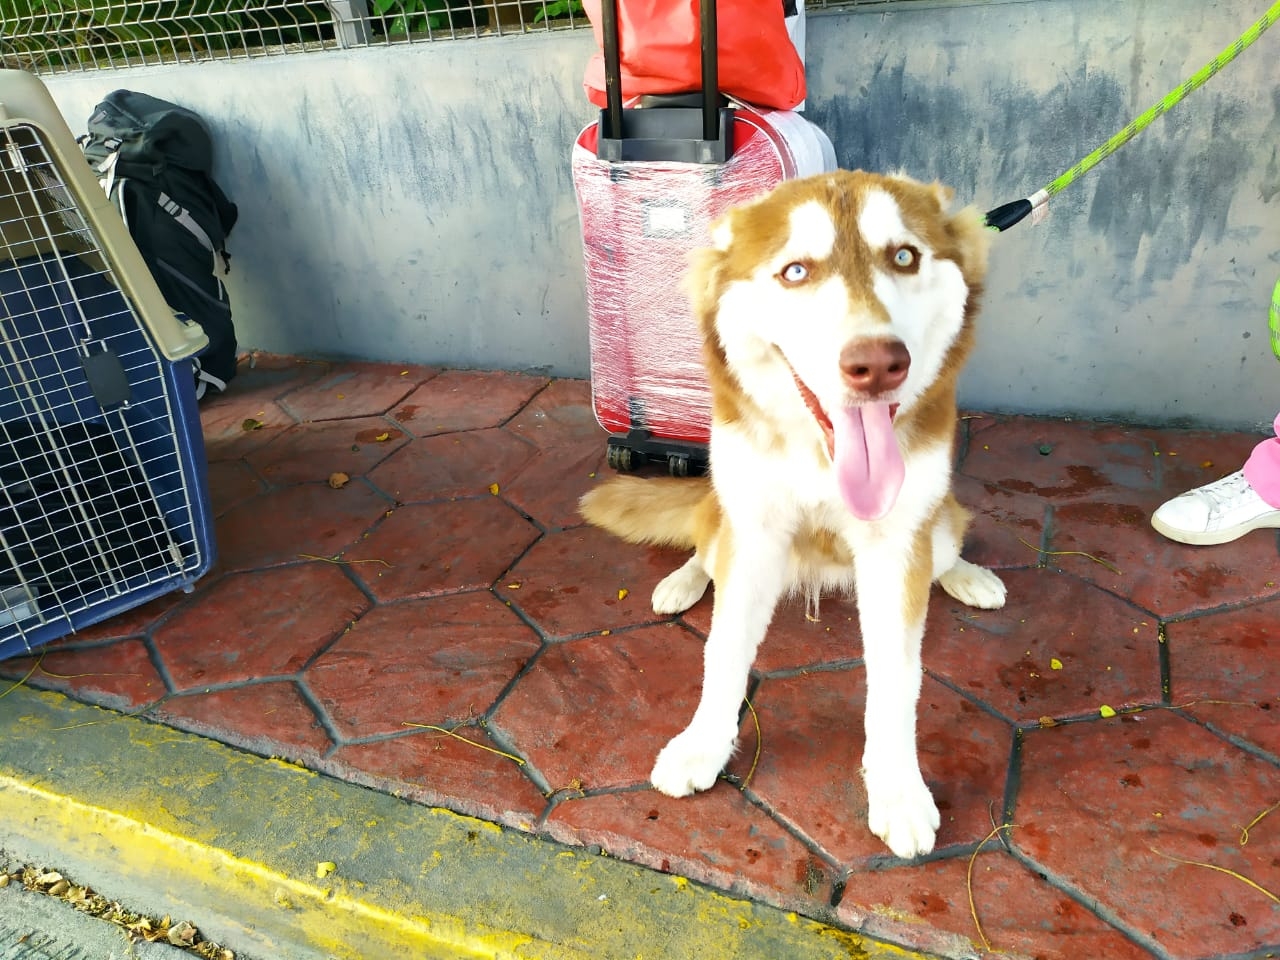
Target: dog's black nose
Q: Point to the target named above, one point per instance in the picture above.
(874, 367)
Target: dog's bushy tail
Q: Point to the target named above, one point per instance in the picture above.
(658, 510)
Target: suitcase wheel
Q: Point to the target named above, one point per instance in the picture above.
(619, 458)
(678, 465)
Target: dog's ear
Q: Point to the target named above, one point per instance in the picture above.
(968, 231)
(944, 194)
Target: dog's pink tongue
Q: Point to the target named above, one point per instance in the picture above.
(868, 462)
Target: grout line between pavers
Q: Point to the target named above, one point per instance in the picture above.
(1095, 907)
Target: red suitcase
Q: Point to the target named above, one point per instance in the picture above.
(649, 181)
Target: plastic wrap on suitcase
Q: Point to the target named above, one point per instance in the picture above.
(640, 223)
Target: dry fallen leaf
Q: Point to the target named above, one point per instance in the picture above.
(1046, 722)
(250, 425)
(1106, 711)
(622, 593)
(182, 934)
(338, 480)
(382, 437)
(493, 488)
(1055, 663)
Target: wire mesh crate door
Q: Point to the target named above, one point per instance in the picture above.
(95, 498)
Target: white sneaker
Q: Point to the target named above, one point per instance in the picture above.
(1218, 512)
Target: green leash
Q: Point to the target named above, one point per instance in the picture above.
(1005, 216)
(1274, 323)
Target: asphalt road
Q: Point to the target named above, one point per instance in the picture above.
(34, 926)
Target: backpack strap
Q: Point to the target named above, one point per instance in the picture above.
(205, 380)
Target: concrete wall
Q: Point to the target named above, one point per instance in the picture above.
(415, 203)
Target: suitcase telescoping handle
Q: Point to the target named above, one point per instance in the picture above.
(664, 128)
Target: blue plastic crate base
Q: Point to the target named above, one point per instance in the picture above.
(104, 500)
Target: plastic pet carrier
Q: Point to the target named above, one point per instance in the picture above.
(103, 485)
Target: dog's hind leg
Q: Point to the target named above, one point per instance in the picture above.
(681, 589)
(748, 585)
(967, 582)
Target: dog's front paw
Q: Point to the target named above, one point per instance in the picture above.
(901, 812)
(973, 585)
(690, 762)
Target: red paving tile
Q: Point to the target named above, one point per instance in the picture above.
(465, 400)
(253, 625)
(293, 522)
(583, 581)
(119, 675)
(809, 769)
(436, 662)
(316, 451)
(439, 769)
(593, 713)
(1224, 672)
(718, 837)
(470, 602)
(1039, 657)
(1117, 807)
(267, 718)
(422, 550)
(351, 390)
(1019, 912)
(453, 465)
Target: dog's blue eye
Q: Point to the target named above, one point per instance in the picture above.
(795, 272)
(904, 257)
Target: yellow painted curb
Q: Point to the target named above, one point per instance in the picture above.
(292, 865)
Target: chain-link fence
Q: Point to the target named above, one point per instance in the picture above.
(54, 36)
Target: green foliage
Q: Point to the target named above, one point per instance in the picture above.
(553, 9)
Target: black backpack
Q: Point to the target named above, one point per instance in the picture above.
(155, 160)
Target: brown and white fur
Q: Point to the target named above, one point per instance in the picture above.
(841, 282)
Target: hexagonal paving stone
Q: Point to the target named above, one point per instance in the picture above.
(559, 415)
(594, 713)
(314, 451)
(254, 625)
(354, 390)
(454, 465)
(435, 661)
(235, 424)
(1113, 806)
(809, 771)
(1058, 459)
(1006, 527)
(796, 638)
(716, 837)
(117, 675)
(1107, 652)
(465, 400)
(282, 525)
(926, 906)
(137, 621)
(270, 719)
(570, 582)
(424, 550)
(443, 771)
(231, 482)
(1167, 578)
(552, 482)
(1191, 458)
(1224, 669)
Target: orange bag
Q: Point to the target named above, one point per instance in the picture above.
(660, 54)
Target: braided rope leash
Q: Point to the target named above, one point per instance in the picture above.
(1006, 215)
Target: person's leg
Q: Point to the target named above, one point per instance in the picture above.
(1262, 469)
(1226, 509)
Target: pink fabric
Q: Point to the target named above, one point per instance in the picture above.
(1262, 469)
